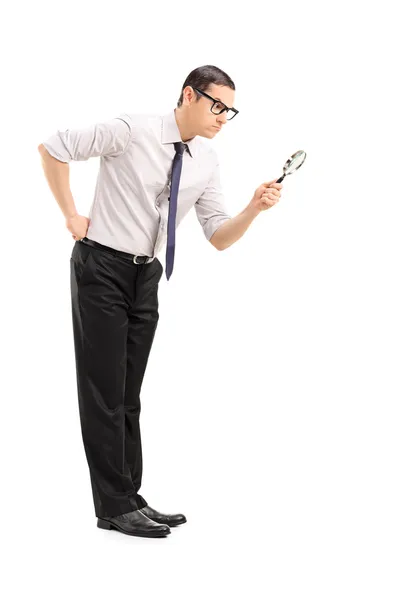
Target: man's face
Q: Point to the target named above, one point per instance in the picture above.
(205, 122)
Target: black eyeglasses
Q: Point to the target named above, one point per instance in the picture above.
(219, 107)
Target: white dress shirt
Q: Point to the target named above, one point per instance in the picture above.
(129, 211)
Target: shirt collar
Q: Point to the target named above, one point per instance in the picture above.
(170, 133)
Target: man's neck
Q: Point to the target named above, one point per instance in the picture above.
(185, 132)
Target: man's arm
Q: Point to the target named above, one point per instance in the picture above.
(232, 230)
(57, 175)
(107, 138)
(221, 230)
(211, 208)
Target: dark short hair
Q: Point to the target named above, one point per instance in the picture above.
(203, 77)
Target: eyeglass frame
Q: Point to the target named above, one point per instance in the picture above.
(218, 102)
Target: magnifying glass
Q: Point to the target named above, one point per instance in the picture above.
(292, 164)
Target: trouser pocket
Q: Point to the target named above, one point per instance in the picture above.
(80, 260)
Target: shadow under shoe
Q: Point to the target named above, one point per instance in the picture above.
(134, 523)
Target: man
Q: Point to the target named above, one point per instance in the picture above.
(115, 272)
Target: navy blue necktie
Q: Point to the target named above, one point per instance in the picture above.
(173, 203)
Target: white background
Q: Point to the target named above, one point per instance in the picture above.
(270, 405)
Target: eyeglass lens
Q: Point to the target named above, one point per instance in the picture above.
(218, 108)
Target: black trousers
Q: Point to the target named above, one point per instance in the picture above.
(114, 316)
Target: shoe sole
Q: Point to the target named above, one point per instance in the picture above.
(102, 524)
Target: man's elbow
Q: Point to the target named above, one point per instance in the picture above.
(45, 154)
(42, 150)
(218, 246)
(214, 242)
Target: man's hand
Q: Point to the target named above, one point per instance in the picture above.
(78, 226)
(266, 195)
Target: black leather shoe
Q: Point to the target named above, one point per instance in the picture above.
(134, 523)
(171, 520)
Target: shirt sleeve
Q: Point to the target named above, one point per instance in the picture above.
(210, 208)
(106, 138)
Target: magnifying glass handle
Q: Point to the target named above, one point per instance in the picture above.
(280, 179)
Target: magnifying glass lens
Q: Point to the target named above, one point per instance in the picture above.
(296, 161)
(292, 164)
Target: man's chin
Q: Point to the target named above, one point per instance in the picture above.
(208, 134)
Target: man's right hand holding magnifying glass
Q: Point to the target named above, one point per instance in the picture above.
(266, 195)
